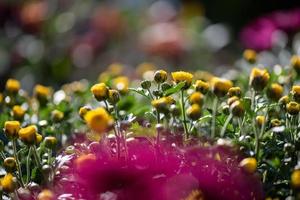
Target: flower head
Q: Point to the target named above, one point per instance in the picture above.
(181, 76)
(293, 108)
(275, 91)
(295, 63)
(121, 83)
(196, 98)
(100, 91)
(11, 128)
(234, 91)
(57, 115)
(260, 120)
(160, 76)
(46, 195)
(10, 164)
(296, 93)
(201, 86)
(113, 96)
(28, 135)
(237, 108)
(259, 79)
(50, 142)
(42, 92)
(83, 110)
(250, 55)
(295, 178)
(98, 120)
(194, 112)
(18, 112)
(9, 183)
(220, 86)
(12, 85)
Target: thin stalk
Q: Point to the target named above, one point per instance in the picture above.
(28, 166)
(150, 94)
(186, 136)
(229, 118)
(214, 114)
(17, 161)
(36, 157)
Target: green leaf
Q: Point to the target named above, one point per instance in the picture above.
(174, 89)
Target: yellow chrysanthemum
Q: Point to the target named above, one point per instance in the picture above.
(100, 91)
(249, 165)
(50, 142)
(259, 79)
(98, 120)
(295, 63)
(121, 83)
(11, 128)
(194, 112)
(42, 92)
(9, 183)
(18, 112)
(201, 86)
(182, 76)
(293, 108)
(115, 69)
(260, 120)
(83, 110)
(220, 86)
(196, 98)
(234, 91)
(295, 178)
(12, 85)
(144, 67)
(57, 115)
(275, 91)
(250, 55)
(160, 76)
(28, 135)
(296, 93)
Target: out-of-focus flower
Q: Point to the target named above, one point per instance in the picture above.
(201, 86)
(28, 135)
(42, 93)
(234, 91)
(293, 108)
(33, 13)
(57, 115)
(100, 91)
(121, 83)
(10, 164)
(18, 112)
(160, 76)
(194, 112)
(275, 91)
(237, 109)
(296, 92)
(11, 128)
(295, 179)
(250, 55)
(144, 67)
(220, 86)
(259, 79)
(196, 98)
(9, 183)
(249, 164)
(46, 195)
(12, 85)
(260, 120)
(98, 120)
(295, 63)
(50, 142)
(83, 110)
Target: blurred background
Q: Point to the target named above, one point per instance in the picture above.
(53, 42)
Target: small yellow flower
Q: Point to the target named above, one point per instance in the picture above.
(12, 85)
(50, 142)
(295, 178)
(237, 109)
(275, 123)
(260, 120)
(250, 55)
(194, 112)
(144, 67)
(160, 76)
(234, 91)
(181, 76)
(296, 93)
(39, 138)
(259, 79)
(249, 165)
(113, 96)
(220, 86)
(196, 98)
(295, 63)
(231, 100)
(83, 110)
(100, 91)
(57, 115)
(28, 135)
(9, 183)
(293, 108)
(121, 83)
(81, 160)
(115, 69)
(46, 195)
(42, 92)
(11, 128)
(161, 104)
(18, 112)
(201, 86)
(275, 91)
(284, 100)
(98, 120)
(10, 164)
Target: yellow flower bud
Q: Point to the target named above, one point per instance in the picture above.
(260, 120)
(275, 91)
(42, 93)
(231, 100)
(39, 138)
(121, 83)
(46, 195)
(293, 108)
(196, 98)
(9, 183)
(181, 76)
(83, 110)
(234, 91)
(81, 160)
(28, 135)
(160, 76)
(161, 104)
(284, 100)
(11, 128)
(57, 115)
(250, 56)
(220, 86)
(237, 109)
(18, 112)
(1, 97)
(194, 112)
(50, 142)
(12, 85)
(295, 63)
(295, 178)
(113, 96)
(201, 86)
(259, 79)
(100, 91)
(10, 164)
(296, 93)
(98, 120)
(275, 123)
(249, 165)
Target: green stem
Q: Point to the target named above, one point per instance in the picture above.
(150, 94)
(36, 157)
(14, 143)
(225, 125)
(186, 136)
(214, 114)
(28, 165)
